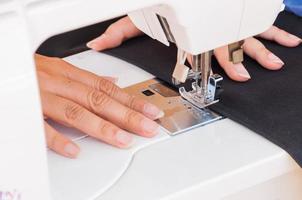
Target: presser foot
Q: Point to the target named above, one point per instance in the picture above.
(203, 98)
(196, 96)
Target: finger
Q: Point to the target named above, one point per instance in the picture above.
(280, 36)
(115, 34)
(102, 84)
(59, 67)
(59, 143)
(256, 50)
(111, 79)
(63, 110)
(112, 90)
(101, 104)
(236, 72)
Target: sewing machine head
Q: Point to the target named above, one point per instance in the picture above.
(197, 29)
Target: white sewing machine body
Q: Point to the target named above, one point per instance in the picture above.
(26, 24)
(222, 160)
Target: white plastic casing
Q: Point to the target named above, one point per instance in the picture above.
(200, 26)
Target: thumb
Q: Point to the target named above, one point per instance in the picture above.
(115, 34)
(105, 41)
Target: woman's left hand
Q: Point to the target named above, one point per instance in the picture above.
(92, 104)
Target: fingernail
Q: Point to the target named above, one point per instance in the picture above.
(153, 111)
(71, 150)
(295, 38)
(240, 69)
(124, 138)
(150, 127)
(272, 57)
(93, 44)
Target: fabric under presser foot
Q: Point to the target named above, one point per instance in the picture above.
(269, 103)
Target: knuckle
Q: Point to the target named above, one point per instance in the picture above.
(260, 52)
(111, 28)
(262, 49)
(42, 78)
(67, 71)
(108, 87)
(131, 102)
(73, 112)
(52, 141)
(106, 130)
(97, 100)
(66, 82)
(247, 41)
(274, 29)
(115, 30)
(281, 31)
(130, 116)
(42, 75)
(280, 34)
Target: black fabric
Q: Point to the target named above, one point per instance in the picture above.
(269, 104)
(74, 41)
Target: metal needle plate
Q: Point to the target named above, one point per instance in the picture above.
(180, 115)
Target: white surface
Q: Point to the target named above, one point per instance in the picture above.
(209, 162)
(213, 161)
(285, 187)
(97, 168)
(22, 134)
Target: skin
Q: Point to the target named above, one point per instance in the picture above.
(96, 106)
(92, 104)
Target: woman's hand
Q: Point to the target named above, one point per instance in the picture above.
(125, 29)
(92, 104)
(256, 50)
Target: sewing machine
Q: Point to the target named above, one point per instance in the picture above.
(187, 166)
(190, 27)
